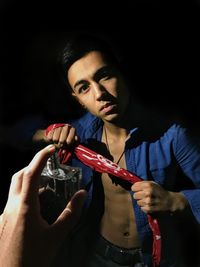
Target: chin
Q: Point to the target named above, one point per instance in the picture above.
(112, 118)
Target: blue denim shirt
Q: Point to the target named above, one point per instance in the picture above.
(158, 159)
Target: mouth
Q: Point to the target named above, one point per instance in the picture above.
(108, 108)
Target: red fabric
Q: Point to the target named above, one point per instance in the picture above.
(101, 164)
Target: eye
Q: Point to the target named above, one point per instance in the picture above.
(83, 89)
(105, 76)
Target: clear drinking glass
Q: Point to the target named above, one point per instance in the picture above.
(58, 183)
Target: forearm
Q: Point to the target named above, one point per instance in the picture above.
(39, 136)
(177, 202)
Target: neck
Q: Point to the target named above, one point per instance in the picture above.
(113, 137)
(116, 130)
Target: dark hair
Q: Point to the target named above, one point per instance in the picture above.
(78, 46)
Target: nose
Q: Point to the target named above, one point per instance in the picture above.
(99, 91)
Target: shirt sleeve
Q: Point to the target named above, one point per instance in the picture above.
(20, 134)
(187, 152)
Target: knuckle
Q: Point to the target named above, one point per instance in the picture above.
(55, 139)
(148, 209)
(28, 172)
(148, 200)
(67, 125)
(14, 177)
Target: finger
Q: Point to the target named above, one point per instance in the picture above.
(50, 135)
(145, 201)
(148, 185)
(150, 208)
(136, 186)
(77, 139)
(140, 195)
(70, 216)
(56, 134)
(64, 134)
(15, 187)
(32, 172)
(16, 183)
(147, 209)
(71, 136)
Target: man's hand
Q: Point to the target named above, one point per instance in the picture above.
(26, 239)
(63, 135)
(151, 197)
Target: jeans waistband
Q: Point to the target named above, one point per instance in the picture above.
(122, 256)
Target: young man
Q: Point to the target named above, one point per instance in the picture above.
(118, 233)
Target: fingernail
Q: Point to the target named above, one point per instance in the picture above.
(50, 147)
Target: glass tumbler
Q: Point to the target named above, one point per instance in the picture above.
(58, 183)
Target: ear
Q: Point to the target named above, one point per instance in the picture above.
(73, 94)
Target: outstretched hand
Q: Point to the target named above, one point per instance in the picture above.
(26, 239)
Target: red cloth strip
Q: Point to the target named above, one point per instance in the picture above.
(101, 164)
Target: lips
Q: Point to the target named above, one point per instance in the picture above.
(107, 108)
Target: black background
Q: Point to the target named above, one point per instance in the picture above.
(160, 44)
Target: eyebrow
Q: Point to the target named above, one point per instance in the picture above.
(100, 71)
(96, 75)
(79, 83)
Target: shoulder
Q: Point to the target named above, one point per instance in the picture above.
(179, 131)
(183, 140)
(178, 134)
(176, 129)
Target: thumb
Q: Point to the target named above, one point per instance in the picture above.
(70, 216)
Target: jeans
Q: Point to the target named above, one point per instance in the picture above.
(105, 254)
(100, 261)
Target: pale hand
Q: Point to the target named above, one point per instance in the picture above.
(26, 239)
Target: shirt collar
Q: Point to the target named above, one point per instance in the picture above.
(92, 124)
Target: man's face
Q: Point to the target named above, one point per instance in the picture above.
(98, 86)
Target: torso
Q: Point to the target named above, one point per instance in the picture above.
(118, 223)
